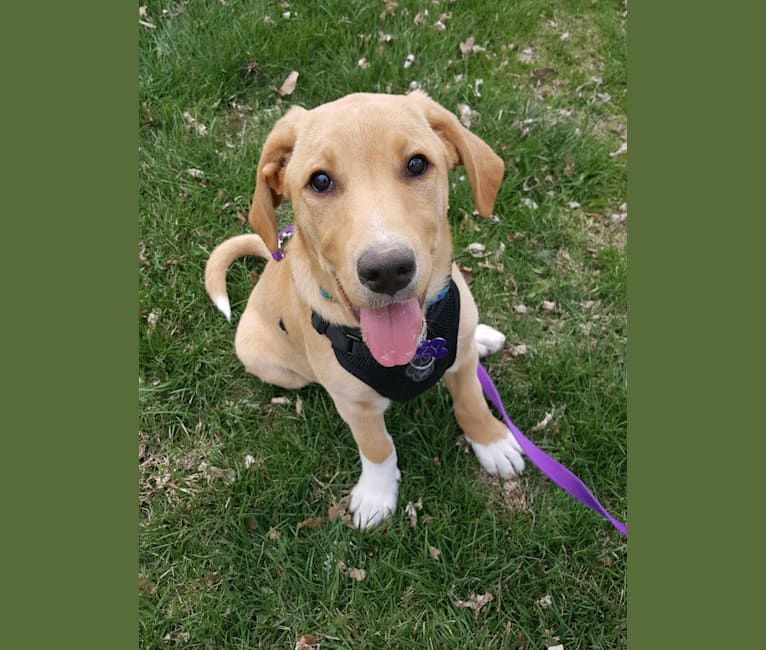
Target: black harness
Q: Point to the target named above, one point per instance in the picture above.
(399, 383)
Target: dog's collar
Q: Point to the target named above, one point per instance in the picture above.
(282, 238)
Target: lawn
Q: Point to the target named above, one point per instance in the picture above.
(238, 480)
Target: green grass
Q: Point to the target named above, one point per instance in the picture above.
(223, 562)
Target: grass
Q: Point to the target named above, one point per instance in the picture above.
(227, 477)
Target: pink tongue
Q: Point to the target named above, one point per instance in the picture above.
(392, 332)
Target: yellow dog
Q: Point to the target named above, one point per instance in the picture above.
(366, 300)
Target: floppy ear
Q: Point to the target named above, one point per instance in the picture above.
(485, 168)
(269, 180)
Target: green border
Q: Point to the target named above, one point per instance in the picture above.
(70, 224)
(694, 478)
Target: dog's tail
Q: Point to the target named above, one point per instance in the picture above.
(220, 260)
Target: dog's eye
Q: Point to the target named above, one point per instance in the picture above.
(416, 166)
(320, 182)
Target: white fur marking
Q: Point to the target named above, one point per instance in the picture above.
(502, 457)
(222, 302)
(488, 340)
(374, 496)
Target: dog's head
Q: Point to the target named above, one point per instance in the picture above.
(367, 179)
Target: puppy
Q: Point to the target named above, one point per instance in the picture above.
(364, 297)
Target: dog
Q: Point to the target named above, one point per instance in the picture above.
(364, 297)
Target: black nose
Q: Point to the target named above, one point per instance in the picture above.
(386, 271)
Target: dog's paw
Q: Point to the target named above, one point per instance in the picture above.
(502, 457)
(374, 496)
(488, 340)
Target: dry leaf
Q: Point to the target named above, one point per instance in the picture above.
(545, 601)
(357, 574)
(340, 511)
(362, 63)
(520, 309)
(468, 116)
(412, 514)
(298, 406)
(313, 522)
(199, 127)
(623, 149)
(306, 642)
(434, 552)
(249, 460)
(542, 423)
(409, 60)
(273, 534)
(518, 350)
(420, 17)
(251, 523)
(549, 305)
(469, 47)
(475, 602)
(212, 578)
(560, 646)
(527, 55)
(285, 401)
(288, 86)
(476, 249)
(389, 10)
(146, 587)
(526, 201)
(195, 173)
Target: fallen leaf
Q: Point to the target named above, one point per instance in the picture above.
(298, 406)
(468, 116)
(195, 173)
(340, 511)
(199, 127)
(357, 574)
(273, 534)
(527, 55)
(412, 514)
(440, 24)
(288, 86)
(468, 47)
(549, 305)
(560, 646)
(518, 350)
(389, 10)
(362, 63)
(520, 309)
(212, 578)
(542, 423)
(434, 552)
(285, 401)
(146, 587)
(409, 60)
(545, 601)
(623, 149)
(420, 17)
(312, 522)
(476, 249)
(526, 201)
(251, 523)
(474, 602)
(249, 460)
(306, 642)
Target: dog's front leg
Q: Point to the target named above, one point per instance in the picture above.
(374, 496)
(494, 446)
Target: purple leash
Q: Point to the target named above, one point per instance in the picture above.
(554, 470)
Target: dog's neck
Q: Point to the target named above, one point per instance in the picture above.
(316, 286)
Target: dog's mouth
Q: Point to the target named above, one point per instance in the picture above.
(393, 331)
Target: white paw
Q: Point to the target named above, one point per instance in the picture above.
(488, 340)
(374, 496)
(502, 457)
